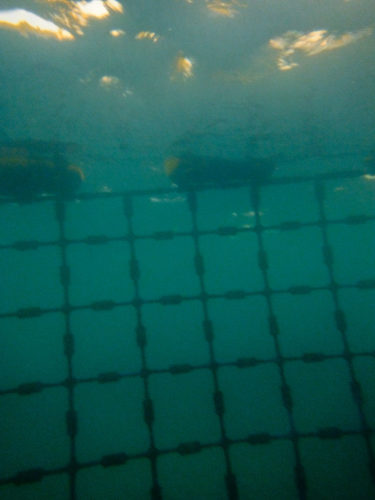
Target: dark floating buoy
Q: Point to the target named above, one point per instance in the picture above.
(30, 168)
(190, 171)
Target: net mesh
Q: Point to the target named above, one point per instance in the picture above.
(209, 344)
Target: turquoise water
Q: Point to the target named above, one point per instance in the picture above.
(213, 344)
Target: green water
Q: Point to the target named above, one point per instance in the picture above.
(159, 344)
